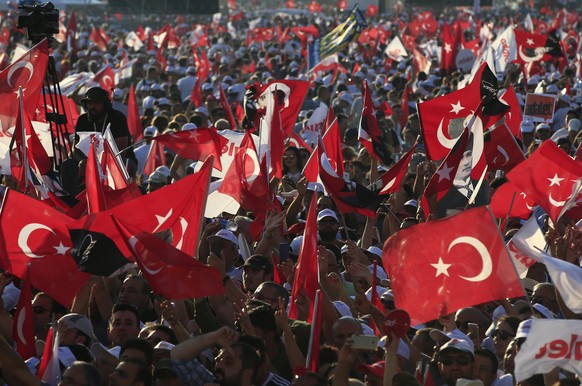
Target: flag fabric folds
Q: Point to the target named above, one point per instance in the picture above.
(440, 266)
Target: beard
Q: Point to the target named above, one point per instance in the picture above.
(327, 235)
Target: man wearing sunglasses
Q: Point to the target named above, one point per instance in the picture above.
(455, 360)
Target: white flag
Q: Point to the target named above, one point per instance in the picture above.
(567, 278)
(524, 247)
(550, 343)
(132, 40)
(395, 50)
(505, 49)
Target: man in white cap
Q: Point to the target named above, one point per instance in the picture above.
(186, 84)
(455, 361)
(327, 227)
(75, 329)
(527, 133)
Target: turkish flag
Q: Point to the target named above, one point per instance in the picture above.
(349, 196)
(513, 116)
(94, 183)
(36, 234)
(32, 149)
(390, 181)
(133, 118)
(23, 322)
(298, 142)
(105, 78)
(405, 110)
(333, 144)
(196, 144)
(307, 270)
(342, 5)
(71, 35)
(537, 47)
(196, 95)
(369, 133)
(451, 40)
(202, 64)
(501, 150)
(314, 7)
(156, 157)
(291, 96)
(27, 72)
(442, 119)
(97, 38)
(112, 168)
(509, 195)
(438, 267)
(178, 207)
(551, 178)
(245, 180)
(226, 106)
(164, 266)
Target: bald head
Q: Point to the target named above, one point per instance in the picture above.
(344, 328)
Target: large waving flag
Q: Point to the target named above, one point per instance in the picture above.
(291, 95)
(442, 119)
(23, 322)
(164, 266)
(369, 133)
(440, 266)
(307, 271)
(349, 196)
(345, 32)
(176, 209)
(551, 178)
(196, 144)
(36, 234)
(27, 72)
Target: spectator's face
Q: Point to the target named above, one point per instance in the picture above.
(502, 335)
(455, 364)
(327, 228)
(95, 109)
(134, 353)
(43, 308)
(268, 295)
(228, 368)
(124, 374)
(509, 356)
(105, 364)
(483, 370)
(252, 278)
(73, 375)
(122, 327)
(344, 329)
(132, 292)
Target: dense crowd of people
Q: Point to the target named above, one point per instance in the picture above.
(118, 331)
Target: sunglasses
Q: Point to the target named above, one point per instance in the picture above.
(503, 335)
(40, 310)
(461, 360)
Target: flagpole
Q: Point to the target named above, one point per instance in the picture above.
(508, 213)
(310, 352)
(23, 128)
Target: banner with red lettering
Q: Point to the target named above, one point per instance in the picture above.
(550, 343)
(539, 107)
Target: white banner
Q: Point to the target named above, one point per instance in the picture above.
(505, 49)
(550, 344)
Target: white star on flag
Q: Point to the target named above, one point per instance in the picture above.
(456, 107)
(441, 268)
(530, 42)
(448, 48)
(61, 249)
(445, 172)
(555, 180)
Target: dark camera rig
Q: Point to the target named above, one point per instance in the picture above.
(40, 21)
